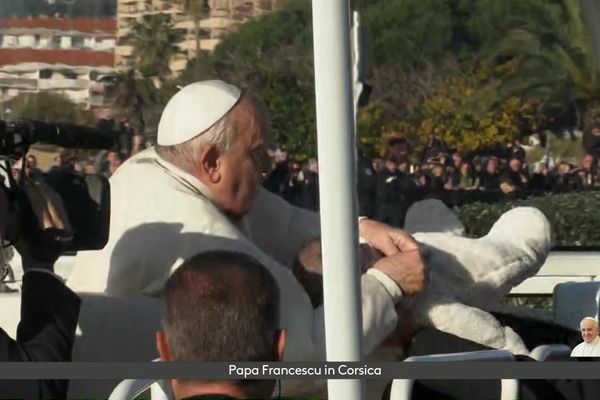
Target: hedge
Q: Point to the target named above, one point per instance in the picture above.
(575, 217)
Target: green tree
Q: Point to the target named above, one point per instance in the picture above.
(538, 49)
(155, 43)
(435, 100)
(447, 114)
(133, 95)
(416, 48)
(271, 57)
(407, 32)
(198, 9)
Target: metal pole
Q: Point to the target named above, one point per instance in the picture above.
(339, 233)
(356, 84)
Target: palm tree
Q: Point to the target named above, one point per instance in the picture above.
(132, 94)
(198, 9)
(591, 14)
(155, 43)
(547, 55)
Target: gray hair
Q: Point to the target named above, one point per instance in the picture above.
(222, 134)
(589, 319)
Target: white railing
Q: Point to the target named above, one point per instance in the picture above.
(561, 267)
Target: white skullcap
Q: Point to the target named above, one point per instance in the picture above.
(194, 109)
(589, 319)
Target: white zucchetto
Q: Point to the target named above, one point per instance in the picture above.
(194, 109)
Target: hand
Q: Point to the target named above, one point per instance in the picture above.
(386, 239)
(40, 246)
(368, 257)
(407, 269)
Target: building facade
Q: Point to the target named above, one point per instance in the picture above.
(71, 57)
(221, 18)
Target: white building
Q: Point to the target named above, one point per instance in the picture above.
(66, 56)
(221, 18)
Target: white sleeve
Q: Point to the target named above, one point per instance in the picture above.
(578, 350)
(279, 228)
(379, 320)
(378, 312)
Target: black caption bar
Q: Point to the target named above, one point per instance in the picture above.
(301, 370)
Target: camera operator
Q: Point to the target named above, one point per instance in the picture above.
(49, 310)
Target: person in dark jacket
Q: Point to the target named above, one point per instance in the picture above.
(541, 179)
(563, 181)
(591, 142)
(276, 173)
(310, 186)
(432, 149)
(366, 177)
(49, 310)
(517, 175)
(125, 138)
(491, 176)
(395, 191)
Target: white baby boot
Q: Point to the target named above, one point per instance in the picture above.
(477, 273)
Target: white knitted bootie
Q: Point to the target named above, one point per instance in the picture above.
(468, 276)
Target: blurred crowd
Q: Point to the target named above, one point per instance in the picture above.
(388, 186)
(105, 162)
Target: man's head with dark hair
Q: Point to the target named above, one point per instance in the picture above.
(515, 164)
(398, 145)
(221, 306)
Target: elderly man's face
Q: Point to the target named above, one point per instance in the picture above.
(241, 166)
(589, 330)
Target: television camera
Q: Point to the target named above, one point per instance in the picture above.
(86, 198)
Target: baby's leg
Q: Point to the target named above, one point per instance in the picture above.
(474, 324)
(478, 272)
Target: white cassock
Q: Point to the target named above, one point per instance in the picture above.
(584, 349)
(161, 215)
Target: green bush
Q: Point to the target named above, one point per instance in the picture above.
(575, 217)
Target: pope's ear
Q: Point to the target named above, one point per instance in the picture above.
(211, 163)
